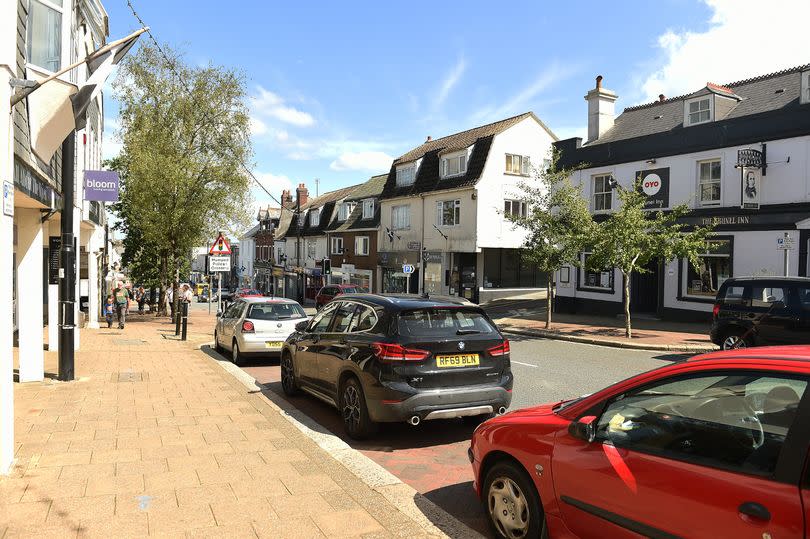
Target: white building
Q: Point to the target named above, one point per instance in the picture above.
(691, 146)
(38, 38)
(448, 197)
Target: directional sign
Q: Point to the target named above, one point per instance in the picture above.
(408, 268)
(220, 246)
(219, 263)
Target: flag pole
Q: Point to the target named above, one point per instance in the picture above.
(19, 96)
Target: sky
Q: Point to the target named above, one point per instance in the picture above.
(339, 89)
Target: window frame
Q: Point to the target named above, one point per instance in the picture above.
(523, 168)
(606, 177)
(400, 172)
(358, 240)
(788, 467)
(368, 203)
(597, 289)
(64, 37)
(444, 164)
(687, 114)
(683, 273)
(315, 217)
(345, 210)
(405, 209)
(710, 181)
(523, 207)
(333, 241)
(456, 212)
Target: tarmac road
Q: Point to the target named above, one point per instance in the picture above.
(432, 457)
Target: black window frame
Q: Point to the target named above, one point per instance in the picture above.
(790, 464)
(682, 268)
(328, 310)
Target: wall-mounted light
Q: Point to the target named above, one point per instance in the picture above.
(474, 195)
(650, 161)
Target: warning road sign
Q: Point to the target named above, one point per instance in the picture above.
(220, 246)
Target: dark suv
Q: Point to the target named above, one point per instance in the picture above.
(752, 311)
(397, 358)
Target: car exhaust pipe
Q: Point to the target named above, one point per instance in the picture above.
(415, 420)
(502, 410)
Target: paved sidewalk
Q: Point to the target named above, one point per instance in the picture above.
(155, 438)
(647, 334)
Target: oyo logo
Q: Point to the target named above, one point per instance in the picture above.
(651, 184)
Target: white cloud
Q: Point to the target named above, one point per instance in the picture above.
(268, 104)
(745, 38)
(450, 82)
(257, 127)
(373, 161)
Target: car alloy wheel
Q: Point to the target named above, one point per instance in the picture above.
(351, 407)
(288, 383)
(354, 410)
(508, 508)
(236, 357)
(217, 346)
(734, 341)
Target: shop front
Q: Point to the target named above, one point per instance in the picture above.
(313, 281)
(349, 274)
(393, 279)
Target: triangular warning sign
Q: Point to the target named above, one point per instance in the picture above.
(220, 246)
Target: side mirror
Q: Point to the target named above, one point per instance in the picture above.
(302, 325)
(584, 428)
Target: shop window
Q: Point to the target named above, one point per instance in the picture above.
(714, 268)
(709, 173)
(45, 34)
(510, 268)
(599, 279)
(492, 268)
(602, 193)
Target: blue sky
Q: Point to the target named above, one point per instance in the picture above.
(340, 88)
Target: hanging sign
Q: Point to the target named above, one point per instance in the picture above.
(101, 185)
(220, 246)
(655, 184)
(750, 188)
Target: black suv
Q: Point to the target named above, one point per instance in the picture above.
(399, 358)
(752, 311)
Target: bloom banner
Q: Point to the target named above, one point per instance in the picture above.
(101, 185)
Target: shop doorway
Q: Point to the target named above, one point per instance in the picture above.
(468, 285)
(644, 290)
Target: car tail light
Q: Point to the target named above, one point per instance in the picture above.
(396, 352)
(247, 327)
(716, 310)
(500, 350)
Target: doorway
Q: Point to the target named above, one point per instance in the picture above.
(644, 290)
(468, 283)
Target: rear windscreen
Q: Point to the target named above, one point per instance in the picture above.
(275, 311)
(443, 322)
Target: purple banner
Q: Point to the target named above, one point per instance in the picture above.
(101, 185)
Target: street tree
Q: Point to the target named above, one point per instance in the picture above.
(185, 138)
(557, 222)
(632, 237)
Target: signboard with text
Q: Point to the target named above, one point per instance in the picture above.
(655, 184)
(219, 263)
(54, 245)
(101, 185)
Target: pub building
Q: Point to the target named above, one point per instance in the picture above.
(737, 154)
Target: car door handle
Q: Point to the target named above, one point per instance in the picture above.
(755, 510)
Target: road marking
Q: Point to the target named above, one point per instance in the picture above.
(527, 364)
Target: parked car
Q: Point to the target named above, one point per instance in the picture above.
(247, 293)
(256, 326)
(331, 291)
(716, 446)
(392, 358)
(754, 311)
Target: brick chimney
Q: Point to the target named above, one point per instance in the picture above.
(601, 111)
(286, 199)
(301, 194)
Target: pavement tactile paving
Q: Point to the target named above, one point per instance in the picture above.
(154, 438)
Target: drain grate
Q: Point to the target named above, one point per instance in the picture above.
(129, 376)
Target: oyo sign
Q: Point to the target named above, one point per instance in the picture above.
(655, 185)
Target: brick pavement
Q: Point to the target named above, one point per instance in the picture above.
(154, 438)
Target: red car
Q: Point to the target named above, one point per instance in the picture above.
(330, 291)
(716, 446)
(247, 293)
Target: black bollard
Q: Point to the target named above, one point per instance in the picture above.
(177, 319)
(185, 320)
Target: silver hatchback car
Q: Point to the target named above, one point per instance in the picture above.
(256, 326)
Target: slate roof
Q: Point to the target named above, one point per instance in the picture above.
(326, 202)
(371, 189)
(756, 95)
(427, 178)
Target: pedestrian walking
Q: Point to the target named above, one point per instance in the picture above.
(109, 311)
(140, 297)
(122, 296)
(170, 299)
(188, 295)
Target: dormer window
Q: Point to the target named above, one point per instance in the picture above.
(368, 208)
(454, 164)
(698, 110)
(345, 210)
(805, 87)
(314, 217)
(406, 175)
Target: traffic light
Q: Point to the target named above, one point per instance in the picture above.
(326, 266)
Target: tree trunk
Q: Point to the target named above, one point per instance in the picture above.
(549, 300)
(628, 331)
(161, 311)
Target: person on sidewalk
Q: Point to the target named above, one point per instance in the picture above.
(140, 297)
(121, 303)
(109, 311)
(188, 295)
(170, 299)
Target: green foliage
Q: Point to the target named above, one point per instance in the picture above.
(558, 222)
(630, 238)
(181, 160)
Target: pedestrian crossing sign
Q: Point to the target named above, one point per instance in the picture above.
(220, 246)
